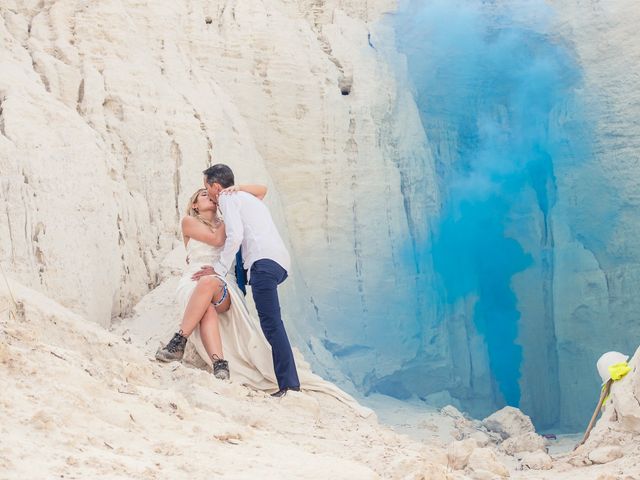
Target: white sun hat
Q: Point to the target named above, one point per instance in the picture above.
(606, 360)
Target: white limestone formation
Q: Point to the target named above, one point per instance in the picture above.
(595, 293)
(110, 110)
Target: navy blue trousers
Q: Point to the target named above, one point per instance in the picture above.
(265, 277)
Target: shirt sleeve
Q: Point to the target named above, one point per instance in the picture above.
(230, 208)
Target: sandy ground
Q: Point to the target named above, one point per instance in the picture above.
(80, 402)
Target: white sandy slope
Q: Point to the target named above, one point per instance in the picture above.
(79, 402)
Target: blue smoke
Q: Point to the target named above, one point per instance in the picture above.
(489, 88)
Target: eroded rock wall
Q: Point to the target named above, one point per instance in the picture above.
(110, 111)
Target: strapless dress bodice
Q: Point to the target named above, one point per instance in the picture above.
(199, 254)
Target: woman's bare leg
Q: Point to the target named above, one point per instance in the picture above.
(200, 310)
(207, 289)
(210, 333)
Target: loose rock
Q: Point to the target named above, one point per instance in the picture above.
(485, 459)
(459, 452)
(481, 438)
(536, 461)
(508, 422)
(528, 442)
(605, 454)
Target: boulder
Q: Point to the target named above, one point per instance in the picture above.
(459, 452)
(484, 459)
(481, 438)
(536, 461)
(453, 412)
(605, 454)
(527, 442)
(508, 422)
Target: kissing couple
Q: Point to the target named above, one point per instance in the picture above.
(223, 223)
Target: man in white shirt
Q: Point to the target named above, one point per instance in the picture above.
(249, 226)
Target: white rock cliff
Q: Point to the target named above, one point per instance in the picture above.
(110, 111)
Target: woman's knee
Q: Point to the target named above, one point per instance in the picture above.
(209, 282)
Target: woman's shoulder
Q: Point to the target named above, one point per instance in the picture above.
(191, 225)
(188, 220)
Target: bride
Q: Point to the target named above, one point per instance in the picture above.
(216, 315)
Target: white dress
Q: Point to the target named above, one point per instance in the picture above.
(243, 343)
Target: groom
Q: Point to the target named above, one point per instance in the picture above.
(249, 225)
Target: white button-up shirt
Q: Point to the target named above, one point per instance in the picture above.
(248, 223)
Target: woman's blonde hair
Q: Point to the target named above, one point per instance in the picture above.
(192, 212)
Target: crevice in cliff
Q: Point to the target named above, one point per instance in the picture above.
(351, 153)
(203, 129)
(40, 72)
(80, 97)
(3, 131)
(345, 82)
(34, 63)
(176, 155)
(223, 10)
(9, 226)
(126, 152)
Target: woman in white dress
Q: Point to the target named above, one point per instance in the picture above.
(216, 319)
(203, 234)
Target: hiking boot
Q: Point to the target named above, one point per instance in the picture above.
(174, 350)
(220, 368)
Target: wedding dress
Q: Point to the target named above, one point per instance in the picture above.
(244, 345)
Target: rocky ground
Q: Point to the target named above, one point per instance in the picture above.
(82, 402)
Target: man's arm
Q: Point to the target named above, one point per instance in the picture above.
(230, 208)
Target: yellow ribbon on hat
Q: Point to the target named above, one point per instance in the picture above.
(617, 372)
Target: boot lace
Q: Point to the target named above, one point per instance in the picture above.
(176, 343)
(219, 363)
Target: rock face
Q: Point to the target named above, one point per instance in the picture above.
(535, 291)
(597, 272)
(108, 118)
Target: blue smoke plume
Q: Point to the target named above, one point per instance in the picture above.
(490, 88)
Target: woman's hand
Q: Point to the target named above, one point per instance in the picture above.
(258, 191)
(205, 270)
(231, 189)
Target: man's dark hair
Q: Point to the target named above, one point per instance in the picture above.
(221, 174)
